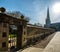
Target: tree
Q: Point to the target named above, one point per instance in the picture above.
(18, 14)
(38, 24)
(14, 13)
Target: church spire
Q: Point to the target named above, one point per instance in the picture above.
(48, 22)
(48, 13)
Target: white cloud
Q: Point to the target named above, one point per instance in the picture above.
(54, 17)
(40, 13)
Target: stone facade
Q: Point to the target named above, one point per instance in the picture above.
(23, 31)
(4, 32)
(5, 21)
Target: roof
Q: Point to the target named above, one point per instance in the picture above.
(2, 15)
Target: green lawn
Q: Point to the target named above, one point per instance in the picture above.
(12, 35)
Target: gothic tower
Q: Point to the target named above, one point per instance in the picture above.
(48, 22)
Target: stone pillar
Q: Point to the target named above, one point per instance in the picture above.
(4, 32)
(19, 36)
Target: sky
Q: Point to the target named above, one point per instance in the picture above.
(36, 10)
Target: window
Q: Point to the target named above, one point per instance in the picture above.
(4, 44)
(24, 32)
(4, 25)
(4, 34)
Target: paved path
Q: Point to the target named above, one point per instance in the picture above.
(33, 49)
(39, 47)
(54, 44)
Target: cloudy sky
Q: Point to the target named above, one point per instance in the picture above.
(36, 10)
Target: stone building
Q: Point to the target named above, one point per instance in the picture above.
(48, 24)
